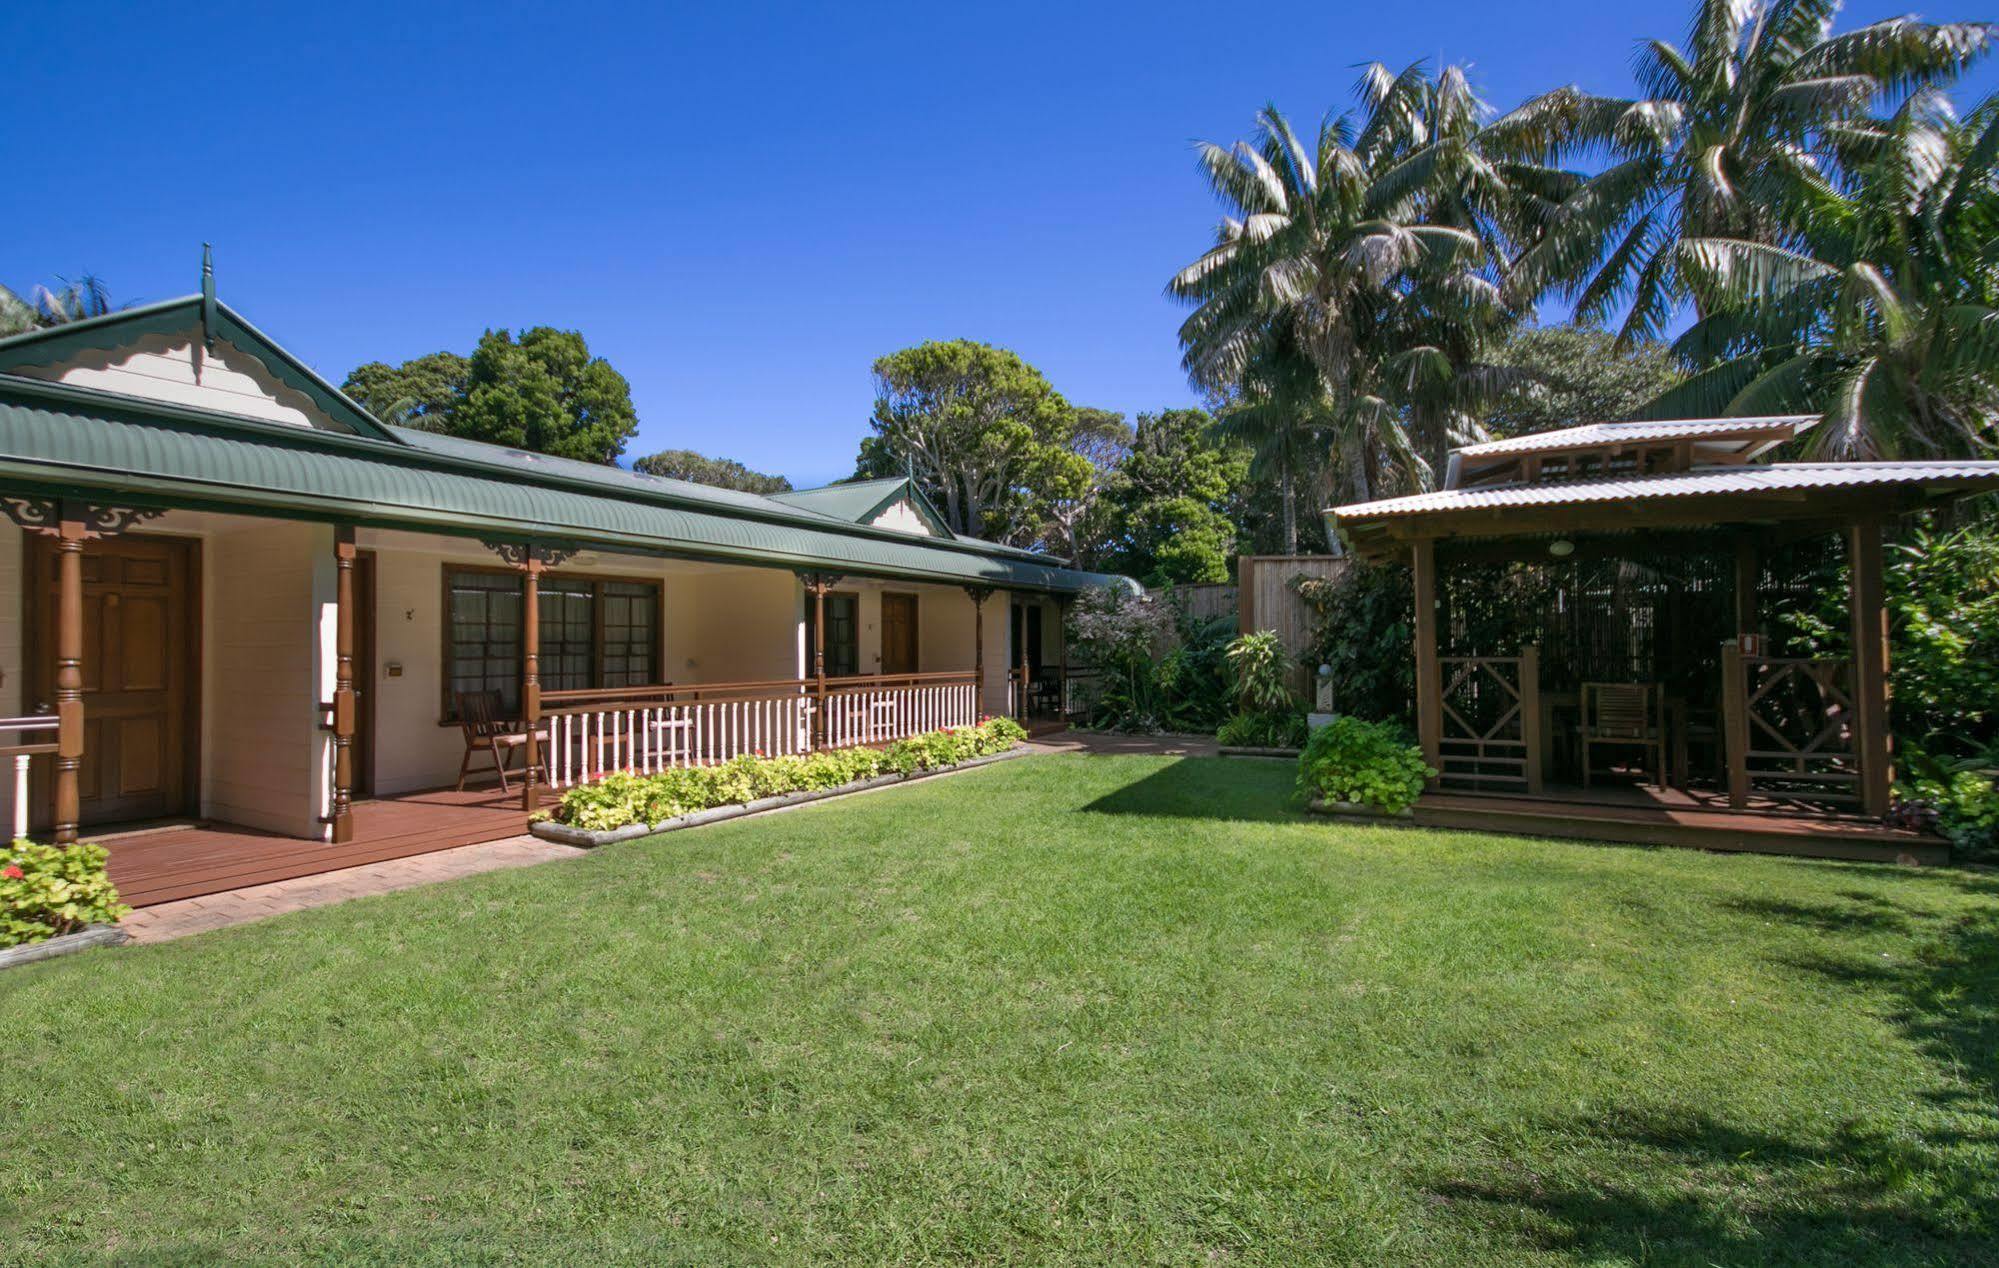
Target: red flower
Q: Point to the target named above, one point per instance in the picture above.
(12, 872)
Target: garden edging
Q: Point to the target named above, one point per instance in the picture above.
(1355, 810)
(590, 838)
(63, 944)
(1248, 750)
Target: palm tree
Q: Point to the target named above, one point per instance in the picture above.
(1885, 318)
(1368, 258)
(71, 301)
(1730, 128)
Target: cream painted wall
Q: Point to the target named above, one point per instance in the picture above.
(720, 625)
(12, 670)
(175, 367)
(264, 753)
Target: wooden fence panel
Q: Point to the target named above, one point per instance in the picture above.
(1268, 600)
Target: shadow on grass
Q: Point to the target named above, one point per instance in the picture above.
(1722, 1195)
(1725, 1193)
(1230, 788)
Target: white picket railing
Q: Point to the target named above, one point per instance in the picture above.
(588, 734)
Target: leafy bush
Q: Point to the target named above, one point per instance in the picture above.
(1162, 668)
(47, 890)
(1962, 804)
(1365, 763)
(1262, 673)
(622, 798)
(1263, 730)
(1365, 627)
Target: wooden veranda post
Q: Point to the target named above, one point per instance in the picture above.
(1429, 683)
(1530, 715)
(1028, 612)
(1428, 673)
(1748, 572)
(531, 676)
(344, 711)
(817, 584)
(1735, 723)
(70, 534)
(1872, 745)
(979, 595)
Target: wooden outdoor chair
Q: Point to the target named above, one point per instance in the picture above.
(486, 731)
(1626, 713)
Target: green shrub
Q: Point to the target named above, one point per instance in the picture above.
(622, 798)
(47, 890)
(1263, 730)
(1262, 673)
(1366, 763)
(1963, 805)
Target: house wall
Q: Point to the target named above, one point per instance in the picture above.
(264, 676)
(267, 659)
(718, 625)
(13, 679)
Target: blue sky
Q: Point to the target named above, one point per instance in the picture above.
(740, 205)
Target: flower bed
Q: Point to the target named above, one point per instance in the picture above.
(623, 801)
(47, 891)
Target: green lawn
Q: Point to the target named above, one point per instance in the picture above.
(1067, 1008)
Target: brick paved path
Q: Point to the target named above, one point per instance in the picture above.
(196, 915)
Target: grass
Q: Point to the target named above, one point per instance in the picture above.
(1069, 1008)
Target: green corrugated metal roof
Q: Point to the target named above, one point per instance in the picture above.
(854, 502)
(54, 437)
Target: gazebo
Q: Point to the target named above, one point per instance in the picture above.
(1594, 597)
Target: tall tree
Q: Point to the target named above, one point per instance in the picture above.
(1369, 258)
(420, 393)
(974, 423)
(1886, 316)
(1171, 506)
(1069, 487)
(542, 392)
(1731, 127)
(723, 473)
(1574, 375)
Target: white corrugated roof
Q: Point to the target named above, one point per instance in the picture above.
(1775, 478)
(1627, 433)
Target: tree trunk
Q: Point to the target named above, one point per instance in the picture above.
(1290, 495)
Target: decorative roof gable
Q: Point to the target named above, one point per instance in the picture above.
(194, 352)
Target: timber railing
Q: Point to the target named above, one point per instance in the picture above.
(650, 729)
(14, 744)
(1787, 727)
(1492, 720)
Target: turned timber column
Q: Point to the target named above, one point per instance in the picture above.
(817, 584)
(70, 534)
(344, 711)
(1872, 744)
(531, 676)
(1429, 686)
(979, 595)
(1028, 612)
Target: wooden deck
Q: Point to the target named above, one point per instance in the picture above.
(1644, 815)
(166, 864)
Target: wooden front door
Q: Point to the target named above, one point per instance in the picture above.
(139, 644)
(898, 633)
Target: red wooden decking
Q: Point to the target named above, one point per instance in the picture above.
(1645, 815)
(172, 863)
